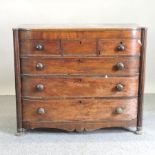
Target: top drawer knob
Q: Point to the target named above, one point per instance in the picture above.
(39, 47)
(120, 47)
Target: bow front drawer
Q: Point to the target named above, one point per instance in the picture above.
(79, 86)
(80, 110)
(100, 66)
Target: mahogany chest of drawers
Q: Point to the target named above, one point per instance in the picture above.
(79, 78)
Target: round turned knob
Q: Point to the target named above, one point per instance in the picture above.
(39, 66)
(120, 66)
(120, 47)
(40, 87)
(119, 110)
(39, 47)
(119, 87)
(40, 111)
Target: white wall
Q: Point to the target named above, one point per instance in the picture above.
(16, 12)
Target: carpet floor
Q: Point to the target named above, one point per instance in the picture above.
(54, 142)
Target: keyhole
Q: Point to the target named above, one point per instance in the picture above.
(79, 60)
(80, 42)
(80, 101)
(80, 80)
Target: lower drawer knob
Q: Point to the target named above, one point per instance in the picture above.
(40, 111)
(120, 66)
(39, 66)
(39, 47)
(39, 87)
(119, 87)
(119, 110)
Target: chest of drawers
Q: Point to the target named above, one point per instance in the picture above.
(79, 78)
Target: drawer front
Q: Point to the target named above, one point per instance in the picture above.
(79, 86)
(79, 47)
(107, 65)
(80, 110)
(119, 46)
(76, 34)
(40, 47)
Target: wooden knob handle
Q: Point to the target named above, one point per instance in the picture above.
(39, 87)
(119, 110)
(40, 111)
(120, 66)
(119, 87)
(120, 47)
(39, 47)
(39, 66)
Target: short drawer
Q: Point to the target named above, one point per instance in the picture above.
(79, 110)
(119, 46)
(99, 66)
(40, 47)
(79, 47)
(79, 86)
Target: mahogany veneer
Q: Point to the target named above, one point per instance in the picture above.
(79, 78)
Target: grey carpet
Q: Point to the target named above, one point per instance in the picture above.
(101, 142)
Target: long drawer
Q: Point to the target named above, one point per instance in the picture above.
(47, 86)
(79, 110)
(109, 65)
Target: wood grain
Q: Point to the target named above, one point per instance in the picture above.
(80, 110)
(51, 47)
(79, 87)
(99, 66)
(141, 80)
(79, 47)
(47, 35)
(109, 46)
(78, 126)
(17, 80)
(79, 77)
